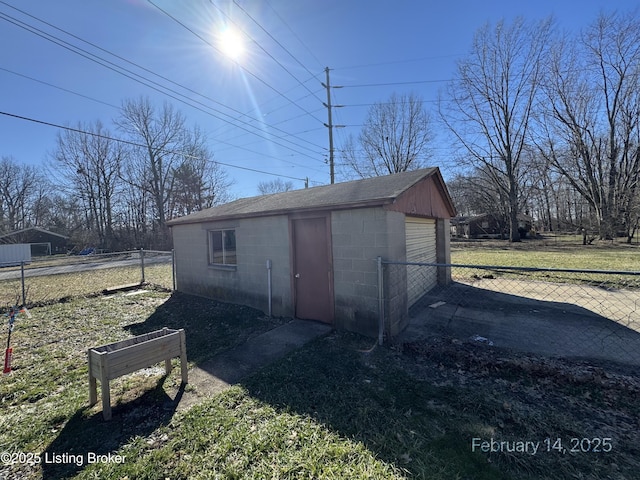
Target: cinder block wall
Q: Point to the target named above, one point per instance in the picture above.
(359, 237)
(257, 240)
(190, 250)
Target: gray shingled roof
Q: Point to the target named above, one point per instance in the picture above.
(369, 191)
(36, 229)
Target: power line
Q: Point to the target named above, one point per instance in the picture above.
(140, 145)
(116, 56)
(277, 42)
(285, 121)
(311, 93)
(220, 141)
(292, 32)
(394, 83)
(303, 84)
(338, 117)
(116, 107)
(290, 119)
(59, 88)
(388, 103)
(265, 114)
(131, 75)
(397, 62)
(125, 60)
(240, 66)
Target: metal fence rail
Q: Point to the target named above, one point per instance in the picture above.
(51, 278)
(557, 312)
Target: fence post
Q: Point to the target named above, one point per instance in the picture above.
(24, 295)
(269, 287)
(142, 263)
(173, 268)
(380, 303)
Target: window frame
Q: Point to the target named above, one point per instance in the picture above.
(214, 253)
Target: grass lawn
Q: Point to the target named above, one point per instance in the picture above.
(548, 253)
(338, 408)
(46, 395)
(555, 253)
(50, 288)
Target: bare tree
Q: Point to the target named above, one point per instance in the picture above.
(18, 186)
(87, 166)
(395, 138)
(57, 212)
(135, 218)
(592, 120)
(473, 194)
(170, 163)
(490, 103)
(151, 165)
(274, 186)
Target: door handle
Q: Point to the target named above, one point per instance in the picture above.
(297, 275)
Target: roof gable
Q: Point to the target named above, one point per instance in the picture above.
(427, 198)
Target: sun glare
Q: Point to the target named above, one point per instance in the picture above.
(231, 43)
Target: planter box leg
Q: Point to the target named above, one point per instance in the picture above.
(106, 399)
(183, 369)
(183, 358)
(104, 387)
(93, 391)
(93, 387)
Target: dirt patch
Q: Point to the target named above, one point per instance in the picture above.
(524, 397)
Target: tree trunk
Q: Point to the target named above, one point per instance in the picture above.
(514, 233)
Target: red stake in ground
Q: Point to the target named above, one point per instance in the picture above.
(8, 353)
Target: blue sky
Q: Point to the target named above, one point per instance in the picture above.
(264, 112)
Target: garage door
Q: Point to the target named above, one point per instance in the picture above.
(421, 247)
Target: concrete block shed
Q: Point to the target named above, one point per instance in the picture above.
(311, 253)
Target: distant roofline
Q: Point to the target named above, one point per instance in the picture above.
(16, 232)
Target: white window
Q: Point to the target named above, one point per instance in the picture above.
(222, 247)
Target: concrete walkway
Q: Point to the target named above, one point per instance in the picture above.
(231, 366)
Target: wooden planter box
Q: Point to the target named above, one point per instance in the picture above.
(120, 358)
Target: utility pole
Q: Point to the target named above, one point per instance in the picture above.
(330, 125)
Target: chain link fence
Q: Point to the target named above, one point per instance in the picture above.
(588, 314)
(48, 279)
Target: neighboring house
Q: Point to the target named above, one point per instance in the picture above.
(43, 242)
(478, 226)
(312, 253)
(487, 226)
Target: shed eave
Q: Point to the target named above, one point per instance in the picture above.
(285, 211)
